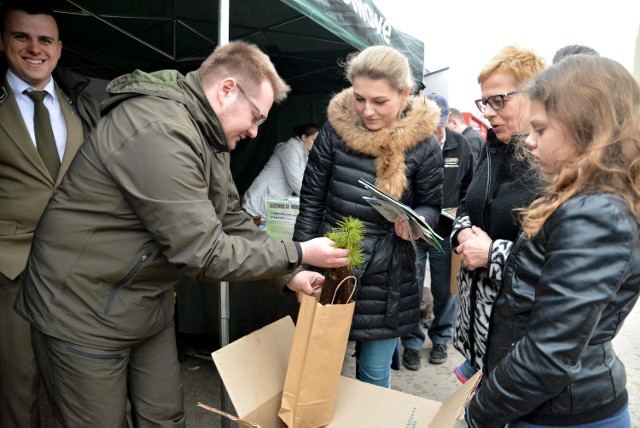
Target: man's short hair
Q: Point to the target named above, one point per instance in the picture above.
(245, 62)
(573, 50)
(457, 114)
(30, 7)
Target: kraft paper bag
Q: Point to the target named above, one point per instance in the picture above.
(315, 363)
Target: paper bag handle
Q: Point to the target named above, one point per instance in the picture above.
(355, 283)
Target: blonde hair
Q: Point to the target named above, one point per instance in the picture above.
(245, 62)
(381, 62)
(597, 103)
(522, 64)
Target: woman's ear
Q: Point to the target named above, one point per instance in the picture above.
(405, 93)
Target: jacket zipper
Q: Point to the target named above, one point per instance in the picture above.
(126, 279)
(514, 249)
(472, 317)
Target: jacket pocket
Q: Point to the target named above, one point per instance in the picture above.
(8, 227)
(125, 279)
(92, 356)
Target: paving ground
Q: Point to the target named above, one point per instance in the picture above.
(435, 382)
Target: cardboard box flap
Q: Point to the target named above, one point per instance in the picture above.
(253, 368)
(361, 404)
(267, 415)
(453, 406)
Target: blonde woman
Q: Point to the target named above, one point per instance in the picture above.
(378, 132)
(574, 275)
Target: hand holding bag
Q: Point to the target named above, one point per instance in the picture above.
(315, 363)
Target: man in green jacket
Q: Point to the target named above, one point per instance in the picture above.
(150, 198)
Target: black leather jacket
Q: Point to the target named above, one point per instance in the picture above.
(565, 295)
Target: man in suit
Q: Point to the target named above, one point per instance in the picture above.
(31, 48)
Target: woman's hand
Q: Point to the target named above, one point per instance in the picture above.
(465, 234)
(474, 252)
(403, 230)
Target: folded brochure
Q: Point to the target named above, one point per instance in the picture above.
(391, 208)
(449, 213)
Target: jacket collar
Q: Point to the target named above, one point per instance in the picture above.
(388, 145)
(450, 142)
(170, 84)
(200, 109)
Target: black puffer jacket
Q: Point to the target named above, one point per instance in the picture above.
(405, 162)
(564, 297)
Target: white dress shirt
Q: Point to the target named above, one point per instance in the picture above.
(26, 106)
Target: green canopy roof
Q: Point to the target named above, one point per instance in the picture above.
(304, 38)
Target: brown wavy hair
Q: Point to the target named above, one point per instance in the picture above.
(597, 102)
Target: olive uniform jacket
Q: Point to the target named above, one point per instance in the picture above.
(25, 183)
(148, 199)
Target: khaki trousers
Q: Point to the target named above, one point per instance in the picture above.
(18, 371)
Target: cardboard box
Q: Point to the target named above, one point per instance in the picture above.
(254, 367)
(281, 217)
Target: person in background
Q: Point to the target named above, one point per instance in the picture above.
(458, 171)
(573, 50)
(456, 123)
(31, 165)
(574, 274)
(282, 174)
(378, 132)
(149, 199)
(503, 183)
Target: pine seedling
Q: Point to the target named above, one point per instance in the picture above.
(348, 233)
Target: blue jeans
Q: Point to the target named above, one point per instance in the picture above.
(620, 420)
(374, 363)
(445, 304)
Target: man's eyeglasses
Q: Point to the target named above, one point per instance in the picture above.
(496, 102)
(257, 122)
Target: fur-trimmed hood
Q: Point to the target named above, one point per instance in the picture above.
(388, 145)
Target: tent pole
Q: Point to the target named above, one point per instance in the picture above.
(223, 22)
(223, 38)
